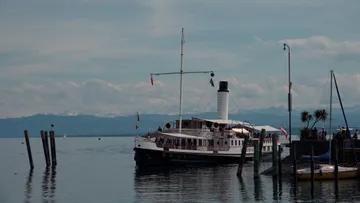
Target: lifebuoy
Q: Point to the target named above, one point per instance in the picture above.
(168, 125)
(216, 125)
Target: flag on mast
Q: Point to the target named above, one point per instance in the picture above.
(152, 80)
(137, 116)
(138, 120)
(211, 82)
(283, 131)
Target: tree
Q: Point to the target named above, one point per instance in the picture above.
(306, 117)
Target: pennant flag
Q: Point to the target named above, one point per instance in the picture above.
(211, 82)
(152, 81)
(137, 116)
(283, 131)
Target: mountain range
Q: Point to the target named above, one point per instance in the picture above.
(112, 125)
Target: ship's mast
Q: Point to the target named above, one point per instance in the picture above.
(181, 76)
(330, 127)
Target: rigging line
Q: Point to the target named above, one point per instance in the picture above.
(322, 94)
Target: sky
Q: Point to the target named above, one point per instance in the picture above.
(96, 56)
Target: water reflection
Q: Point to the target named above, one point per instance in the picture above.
(49, 185)
(275, 188)
(28, 187)
(191, 184)
(243, 190)
(220, 184)
(280, 188)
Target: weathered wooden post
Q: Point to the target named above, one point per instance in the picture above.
(312, 170)
(28, 147)
(274, 155)
(243, 155)
(53, 148)
(261, 143)
(45, 147)
(279, 163)
(256, 159)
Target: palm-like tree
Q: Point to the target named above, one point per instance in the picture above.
(320, 115)
(306, 118)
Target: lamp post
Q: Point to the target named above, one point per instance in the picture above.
(287, 47)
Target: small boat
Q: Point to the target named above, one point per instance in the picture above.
(326, 172)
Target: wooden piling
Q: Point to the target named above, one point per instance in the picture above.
(45, 148)
(243, 156)
(28, 147)
(53, 148)
(312, 170)
(274, 155)
(261, 143)
(279, 162)
(256, 159)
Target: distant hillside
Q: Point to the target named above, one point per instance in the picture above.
(125, 125)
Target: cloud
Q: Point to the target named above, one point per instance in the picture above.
(94, 95)
(96, 56)
(323, 46)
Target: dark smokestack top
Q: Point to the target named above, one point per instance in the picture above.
(223, 86)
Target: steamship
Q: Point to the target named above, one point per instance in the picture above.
(201, 140)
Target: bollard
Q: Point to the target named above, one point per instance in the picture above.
(261, 143)
(256, 159)
(28, 147)
(274, 155)
(243, 156)
(53, 148)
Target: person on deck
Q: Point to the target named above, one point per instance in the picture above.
(355, 136)
(160, 129)
(343, 132)
(323, 134)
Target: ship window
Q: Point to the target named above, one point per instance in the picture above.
(218, 142)
(235, 142)
(225, 142)
(200, 142)
(232, 142)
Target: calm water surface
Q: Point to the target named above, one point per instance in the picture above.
(94, 171)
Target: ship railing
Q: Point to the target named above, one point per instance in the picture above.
(144, 139)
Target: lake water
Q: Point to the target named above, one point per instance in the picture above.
(93, 171)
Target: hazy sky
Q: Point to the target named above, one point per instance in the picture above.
(96, 56)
